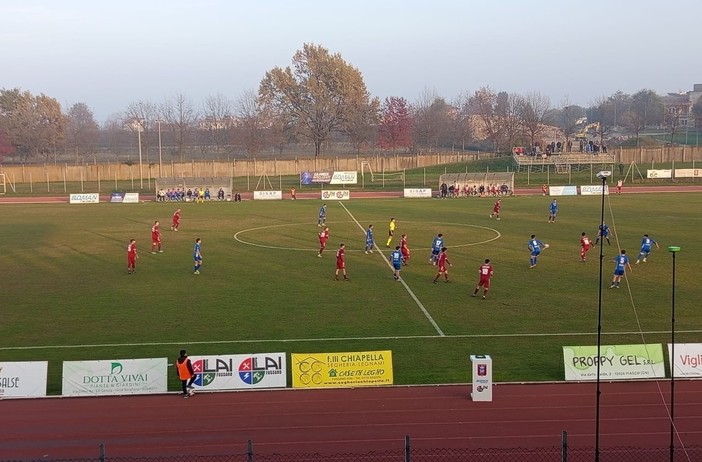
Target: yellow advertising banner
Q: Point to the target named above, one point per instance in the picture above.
(340, 370)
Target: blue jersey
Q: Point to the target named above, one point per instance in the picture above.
(323, 212)
(620, 261)
(396, 259)
(554, 208)
(604, 230)
(196, 251)
(369, 236)
(646, 243)
(535, 246)
(437, 244)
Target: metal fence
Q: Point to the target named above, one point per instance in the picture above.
(410, 454)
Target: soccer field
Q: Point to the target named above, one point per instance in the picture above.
(66, 294)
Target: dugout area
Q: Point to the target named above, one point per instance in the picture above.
(503, 181)
(214, 183)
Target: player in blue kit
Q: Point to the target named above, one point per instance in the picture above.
(552, 211)
(322, 220)
(396, 260)
(646, 244)
(621, 262)
(535, 247)
(370, 243)
(197, 257)
(436, 245)
(603, 233)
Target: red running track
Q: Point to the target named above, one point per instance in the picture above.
(350, 420)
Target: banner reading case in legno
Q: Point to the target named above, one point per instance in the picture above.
(339, 370)
(115, 377)
(23, 379)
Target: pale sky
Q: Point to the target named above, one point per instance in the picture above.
(109, 53)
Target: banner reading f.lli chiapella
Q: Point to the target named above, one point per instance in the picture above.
(338, 370)
(617, 362)
(115, 377)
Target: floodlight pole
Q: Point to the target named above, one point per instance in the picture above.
(141, 172)
(599, 327)
(673, 249)
(160, 166)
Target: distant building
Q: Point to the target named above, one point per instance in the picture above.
(678, 106)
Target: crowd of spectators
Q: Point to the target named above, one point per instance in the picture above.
(557, 147)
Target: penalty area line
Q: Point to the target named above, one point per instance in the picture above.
(342, 339)
(407, 288)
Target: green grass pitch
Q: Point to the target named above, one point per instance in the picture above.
(66, 294)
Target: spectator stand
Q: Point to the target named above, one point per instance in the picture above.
(214, 183)
(562, 163)
(476, 184)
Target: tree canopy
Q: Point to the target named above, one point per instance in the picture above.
(320, 94)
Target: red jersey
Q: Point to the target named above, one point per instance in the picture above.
(176, 217)
(323, 236)
(131, 251)
(485, 272)
(340, 258)
(403, 244)
(585, 242)
(155, 234)
(443, 261)
(496, 207)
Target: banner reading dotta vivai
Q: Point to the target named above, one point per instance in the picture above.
(340, 370)
(115, 377)
(617, 362)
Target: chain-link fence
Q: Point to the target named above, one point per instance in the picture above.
(410, 454)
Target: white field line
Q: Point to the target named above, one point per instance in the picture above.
(409, 291)
(343, 339)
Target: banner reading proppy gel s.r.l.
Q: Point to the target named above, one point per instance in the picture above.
(617, 362)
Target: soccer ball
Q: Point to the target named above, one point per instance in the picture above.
(546, 246)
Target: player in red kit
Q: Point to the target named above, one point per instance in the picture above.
(442, 262)
(585, 245)
(485, 271)
(176, 220)
(131, 256)
(156, 238)
(340, 262)
(496, 209)
(404, 250)
(323, 237)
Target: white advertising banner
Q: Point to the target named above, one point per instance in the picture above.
(344, 178)
(659, 173)
(563, 191)
(115, 377)
(131, 198)
(336, 194)
(414, 193)
(688, 359)
(87, 198)
(230, 372)
(688, 173)
(617, 362)
(23, 379)
(593, 190)
(267, 195)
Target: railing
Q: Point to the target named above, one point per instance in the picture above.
(407, 453)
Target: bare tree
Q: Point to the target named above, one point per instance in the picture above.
(432, 120)
(252, 122)
(507, 114)
(362, 123)
(180, 117)
(82, 132)
(482, 105)
(533, 111)
(141, 116)
(217, 122)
